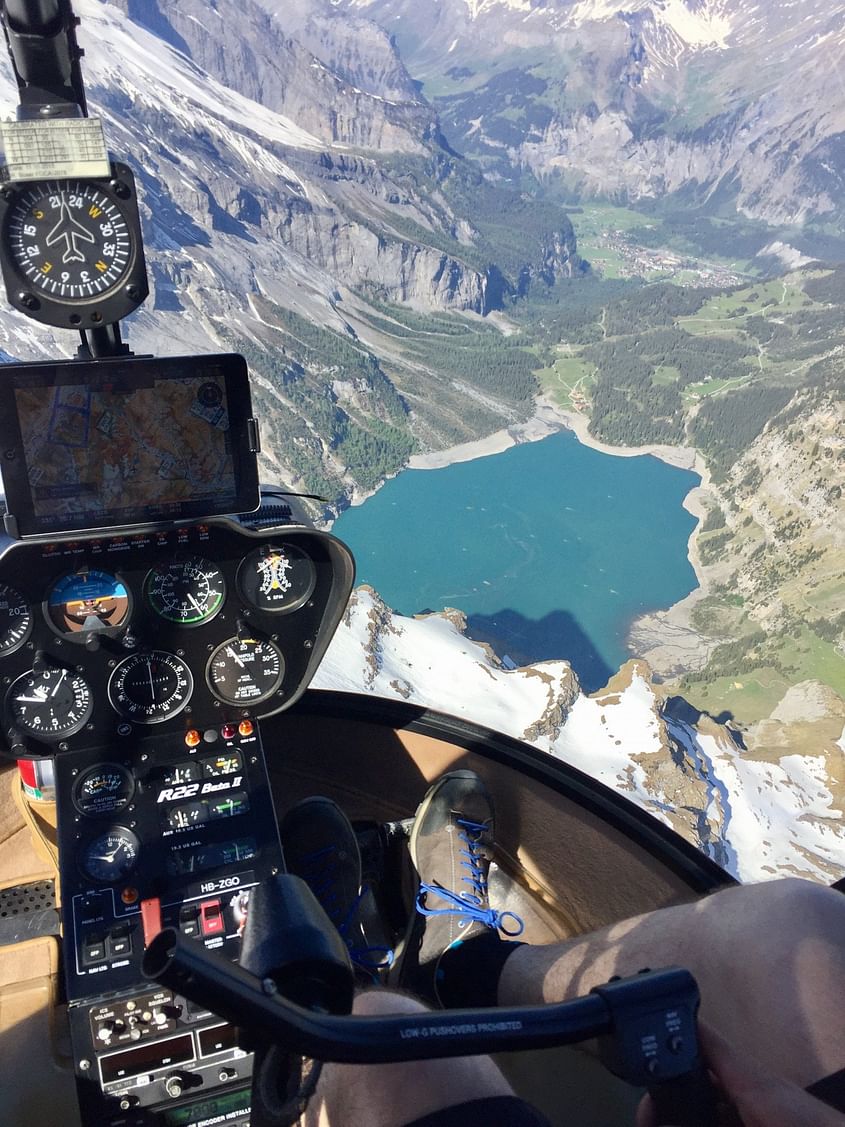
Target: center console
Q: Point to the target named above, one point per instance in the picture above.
(167, 836)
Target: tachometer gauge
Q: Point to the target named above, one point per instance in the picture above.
(277, 578)
(245, 671)
(111, 856)
(15, 620)
(86, 601)
(188, 592)
(50, 704)
(150, 687)
(104, 789)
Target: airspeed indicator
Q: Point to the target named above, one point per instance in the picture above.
(188, 592)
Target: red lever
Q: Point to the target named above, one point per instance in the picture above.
(151, 918)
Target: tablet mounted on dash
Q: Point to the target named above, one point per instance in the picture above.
(120, 442)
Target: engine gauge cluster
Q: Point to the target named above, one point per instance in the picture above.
(184, 628)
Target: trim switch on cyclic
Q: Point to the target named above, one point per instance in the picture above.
(211, 918)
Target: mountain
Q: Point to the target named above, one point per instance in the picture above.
(721, 104)
(377, 204)
(758, 818)
(289, 201)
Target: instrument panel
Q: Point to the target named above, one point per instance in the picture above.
(105, 637)
(144, 663)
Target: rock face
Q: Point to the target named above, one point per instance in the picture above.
(714, 100)
(758, 815)
(290, 168)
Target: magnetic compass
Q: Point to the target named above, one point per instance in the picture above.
(71, 250)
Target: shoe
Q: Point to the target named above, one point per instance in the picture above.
(319, 845)
(451, 848)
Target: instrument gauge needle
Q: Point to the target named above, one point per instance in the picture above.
(59, 683)
(195, 604)
(152, 683)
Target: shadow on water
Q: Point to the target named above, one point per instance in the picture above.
(555, 636)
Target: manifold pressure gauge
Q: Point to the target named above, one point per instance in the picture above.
(71, 250)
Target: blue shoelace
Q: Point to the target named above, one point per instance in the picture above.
(470, 904)
(320, 874)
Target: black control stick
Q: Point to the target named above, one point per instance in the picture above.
(646, 1023)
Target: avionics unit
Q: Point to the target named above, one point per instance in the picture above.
(121, 442)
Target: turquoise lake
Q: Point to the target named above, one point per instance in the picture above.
(551, 549)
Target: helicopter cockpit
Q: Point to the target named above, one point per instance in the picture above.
(155, 654)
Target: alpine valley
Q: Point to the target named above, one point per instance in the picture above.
(424, 224)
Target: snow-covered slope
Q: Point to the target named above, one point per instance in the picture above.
(759, 819)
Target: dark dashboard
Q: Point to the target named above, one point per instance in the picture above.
(142, 664)
(104, 639)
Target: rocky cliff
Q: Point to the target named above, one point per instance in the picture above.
(718, 101)
(291, 169)
(758, 815)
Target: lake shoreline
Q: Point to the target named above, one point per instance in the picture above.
(665, 639)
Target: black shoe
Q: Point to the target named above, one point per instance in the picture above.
(451, 847)
(320, 846)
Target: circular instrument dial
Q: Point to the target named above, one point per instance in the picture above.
(50, 704)
(277, 578)
(69, 240)
(245, 671)
(88, 601)
(188, 592)
(111, 856)
(150, 687)
(104, 789)
(15, 620)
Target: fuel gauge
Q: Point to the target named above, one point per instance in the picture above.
(188, 814)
